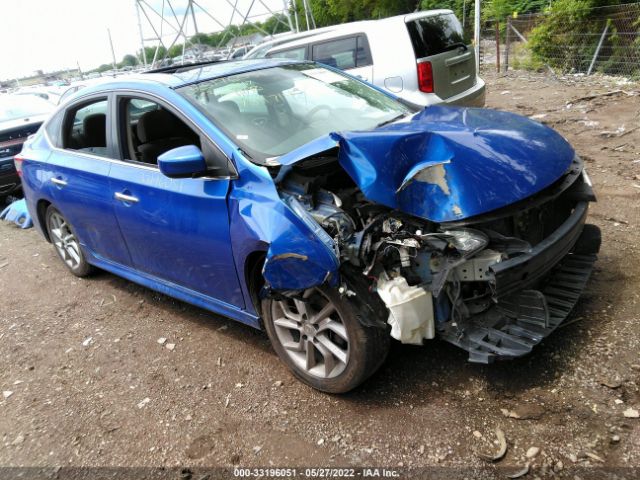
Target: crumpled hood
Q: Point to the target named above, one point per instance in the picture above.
(450, 163)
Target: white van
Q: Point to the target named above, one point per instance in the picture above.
(421, 57)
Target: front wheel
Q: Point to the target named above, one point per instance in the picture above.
(66, 243)
(320, 339)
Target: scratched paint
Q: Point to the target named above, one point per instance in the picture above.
(436, 175)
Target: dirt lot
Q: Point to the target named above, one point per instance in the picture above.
(91, 385)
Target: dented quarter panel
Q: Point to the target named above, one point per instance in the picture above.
(260, 221)
(449, 163)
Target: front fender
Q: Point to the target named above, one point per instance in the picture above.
(296, 257)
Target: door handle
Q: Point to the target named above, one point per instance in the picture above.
(123, 197)
(58, 181)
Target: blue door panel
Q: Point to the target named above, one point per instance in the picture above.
(86, 202)
(178, 230)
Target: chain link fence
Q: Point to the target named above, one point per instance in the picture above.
(582, 41)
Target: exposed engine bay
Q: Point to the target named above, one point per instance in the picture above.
(442, 278)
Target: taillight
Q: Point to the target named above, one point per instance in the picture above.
(17, 160)
(425, 77)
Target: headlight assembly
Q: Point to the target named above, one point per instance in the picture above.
(306, 217)
(467, 241)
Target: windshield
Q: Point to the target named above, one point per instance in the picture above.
(13, 107)
(273, 111)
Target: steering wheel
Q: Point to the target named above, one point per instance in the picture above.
(314, 111)
(261, 121)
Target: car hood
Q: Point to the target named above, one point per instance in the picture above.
(22, 122)
(448, 163)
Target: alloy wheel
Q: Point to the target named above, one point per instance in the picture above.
(312, 333)
(64, 240)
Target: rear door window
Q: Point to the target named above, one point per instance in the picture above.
(53, 128)
(343, 53)
(86, 129)
(435, 34)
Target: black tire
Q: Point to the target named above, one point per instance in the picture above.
(77, 264)
(367, 346)
(589, 241)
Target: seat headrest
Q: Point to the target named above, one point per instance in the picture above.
(159, 124)
(95, 127)
(228, 106)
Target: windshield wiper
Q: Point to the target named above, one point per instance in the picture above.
(391, 120)
(455, 45)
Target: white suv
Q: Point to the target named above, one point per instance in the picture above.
(421, 57)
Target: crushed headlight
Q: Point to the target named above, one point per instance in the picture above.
(467, 241)
(315, 227)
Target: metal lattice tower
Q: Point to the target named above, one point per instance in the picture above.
(175, 21)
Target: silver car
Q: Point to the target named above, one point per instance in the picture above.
(421, 57)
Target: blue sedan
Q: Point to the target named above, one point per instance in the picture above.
(295, 198)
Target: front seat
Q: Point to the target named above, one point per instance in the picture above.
(94, 130)
(160, 131)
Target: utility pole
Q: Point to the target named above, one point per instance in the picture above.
(464, 14)
(80, 70)
(144, 53)
(286, 10)
(113, 53)
(476, 34)
(309, 13)
(193, 16)
(306, 14)
(295, 15)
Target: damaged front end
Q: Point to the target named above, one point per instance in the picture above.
(484, 246)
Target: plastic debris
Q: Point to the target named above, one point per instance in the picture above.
(502, 441)
(631, 413)
(595, 457)
(533, 452)
(520, 473)
(17, 213)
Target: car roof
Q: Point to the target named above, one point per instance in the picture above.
(182, 75)
(335, 31)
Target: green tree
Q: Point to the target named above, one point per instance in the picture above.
(565, 38)
(128, 61)
(175, 50)
(276, 24)
(500, 9)
(331, 12)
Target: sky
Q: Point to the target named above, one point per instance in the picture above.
(50, 35)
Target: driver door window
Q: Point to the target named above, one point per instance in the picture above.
(147, 130)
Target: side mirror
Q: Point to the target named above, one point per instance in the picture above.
(182, 162)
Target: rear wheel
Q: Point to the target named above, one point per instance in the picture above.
(320, 339)
(66, 243)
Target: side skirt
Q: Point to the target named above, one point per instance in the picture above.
(175, 291)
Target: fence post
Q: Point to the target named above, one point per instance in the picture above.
(595, 55)
(498, 46)
(507, 42)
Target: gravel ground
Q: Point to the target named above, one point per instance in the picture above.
(87, 382)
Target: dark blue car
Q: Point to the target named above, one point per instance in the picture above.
(297, 198)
